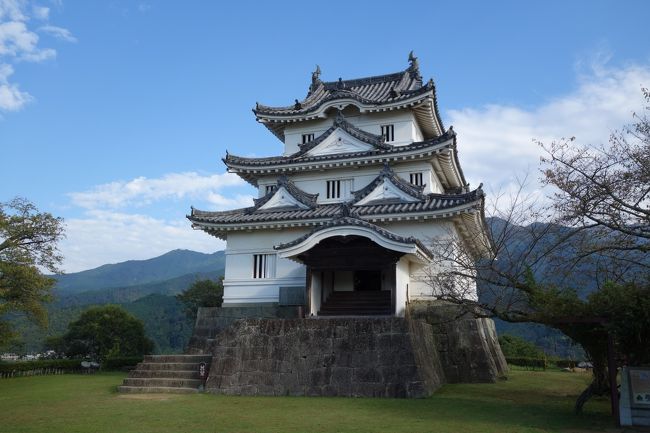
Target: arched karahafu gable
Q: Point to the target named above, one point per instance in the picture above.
(350, 226)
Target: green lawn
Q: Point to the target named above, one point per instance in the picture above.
(527, 402)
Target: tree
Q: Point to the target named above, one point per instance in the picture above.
(106, 331)
(202, 293)
(547, 258)
(513, 346)
(28, 244)
(605, 186)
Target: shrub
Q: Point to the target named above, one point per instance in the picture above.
(529, 363)
(118, 363)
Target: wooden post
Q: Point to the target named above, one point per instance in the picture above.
(611, 369)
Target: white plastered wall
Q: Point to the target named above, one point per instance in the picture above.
(239, 285)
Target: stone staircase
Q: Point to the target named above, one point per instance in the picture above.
(177, 374)
(357, 303)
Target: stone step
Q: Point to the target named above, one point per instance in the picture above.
(196, 359)
(169, 366)
(157, 389)
(353, 313)
(165, 383)
(165, 374)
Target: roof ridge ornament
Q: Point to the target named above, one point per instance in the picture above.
(414, 67)
(315, 80)
(340, 84)
(346, 211)
(339, 119)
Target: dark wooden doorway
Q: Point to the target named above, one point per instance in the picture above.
(367, 280)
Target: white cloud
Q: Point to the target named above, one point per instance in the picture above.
(41, 12)
(141, 190)
(496, 141)
(12, 10)
(19, 43)
(58, 32)
(111, 231)
(11, 98)
(110, 237)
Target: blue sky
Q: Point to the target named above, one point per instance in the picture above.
(115, 114)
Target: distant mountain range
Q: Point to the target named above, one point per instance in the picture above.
(174, 264)
(146, 288)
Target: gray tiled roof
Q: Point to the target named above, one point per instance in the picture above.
(400, 90)
(431, 203)
(300, 157)
(351, 221)
(370, 90)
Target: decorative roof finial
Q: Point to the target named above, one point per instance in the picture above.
(415, 66)
(340, 84)
(315, 79)
(297, 105)
(315, 76)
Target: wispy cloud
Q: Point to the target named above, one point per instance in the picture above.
(41, 12)
(141, 191)
(144, 7)
(496, 141)
(58, 32)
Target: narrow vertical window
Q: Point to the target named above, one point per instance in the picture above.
(416, 179)
(306, 138)
(339, 188)
(263, 265)
(333, 189)
(388, 131)
(270, 188)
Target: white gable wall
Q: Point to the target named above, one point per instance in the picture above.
(406, 128)
(313, 182)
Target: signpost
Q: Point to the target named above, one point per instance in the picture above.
(635, 396)
(203, 375)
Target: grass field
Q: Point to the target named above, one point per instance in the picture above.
(526, 402)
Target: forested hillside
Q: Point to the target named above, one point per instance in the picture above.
(151, 298)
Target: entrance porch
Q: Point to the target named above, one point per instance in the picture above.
(356, 269)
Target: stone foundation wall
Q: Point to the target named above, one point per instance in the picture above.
(468, 346)
(379, 357)
(211, 321)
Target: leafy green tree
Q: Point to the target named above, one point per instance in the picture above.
(106, 331)
(28, 244)
(517, 347)
(202, 293)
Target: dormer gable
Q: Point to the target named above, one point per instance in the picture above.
(285, 196)
(341, 137)
(388, 188)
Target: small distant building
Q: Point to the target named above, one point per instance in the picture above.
(9, 357)
(345, 217)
